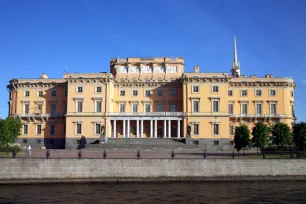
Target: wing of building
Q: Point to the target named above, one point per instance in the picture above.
(147, 98)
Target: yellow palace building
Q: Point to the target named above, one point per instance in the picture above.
(147, 98)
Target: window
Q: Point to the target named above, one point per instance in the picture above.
(273, 109)
(258, 109)
(230, 92)
(172, 92)
(231, 130)
(172, 108)
(272, 92)
(80, 89)
(215, 89)
(292, 94)
(147, 93)
(160, 107)
(195, 129)
(38, 129)
(27, 93)
(40, 93)
(79, 129)
(135, 108)
(26, 108)
(122, 108)
(79, 106)
(98, 106)
(160, 92)
(195, 106)
(216, 142)
(135, 93)
(53, 109)
(122, 93)
(258, 92)
(195, 89)
(292, 110)
(53, 93)
(230, 108)
(98, 129)
(215, 106)
(147, 108)
(52, 129)
(25, 129)
(216, 129)
(244, 92)
(244, 108)
(98, 89)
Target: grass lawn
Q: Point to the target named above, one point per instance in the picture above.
(268, 156)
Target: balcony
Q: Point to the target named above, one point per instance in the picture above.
(146, 114)
(33, 115)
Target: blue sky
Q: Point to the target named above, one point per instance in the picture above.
(81, 36)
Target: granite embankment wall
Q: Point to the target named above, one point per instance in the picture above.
(40, 169)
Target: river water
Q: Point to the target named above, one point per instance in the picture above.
(200, 192)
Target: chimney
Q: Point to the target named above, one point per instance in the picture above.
(196, 69)
(44, 76)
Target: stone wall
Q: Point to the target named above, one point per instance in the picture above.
(28, 168)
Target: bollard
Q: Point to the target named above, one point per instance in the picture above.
(80, 154)
(47, 154)
(138, 154)
(14, 154)
(104, 154)
(172, 154)
(233, 155)
(204, 155)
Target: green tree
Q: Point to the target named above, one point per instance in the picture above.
(9, 130)
(299, 135)
(242, 137)
(281, 135)
(260, 134)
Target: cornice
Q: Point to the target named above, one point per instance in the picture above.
(204, 80)
(261, 84)
(89, 80)
(133, 83)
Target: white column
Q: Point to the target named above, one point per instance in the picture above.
(137, 129)
(165, 128)
(155, 130)
(114, 128)
(178, 129)
(151, 128)
(141, 128)
(124, 132)
(128, 128)
(169, 128)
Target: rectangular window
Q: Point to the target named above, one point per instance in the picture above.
(160, 92)
(196, 129)
(258, 92)
(26, 108)
(172, 108)
(172, 92)
(258, 109)
(148, 108)
(244, 92)
(273, 109)
(195, 89)
(53, 93)
(27, 93)
(196, 106)
(40, 93)
(122, 108)
(25, 129)
(216, 142)
(147, 93)
(53, 109)
(122, 93)
(292, 94)
(230, 92)
(79, 106)
(98, 89)
(216, 129)
(160, 107)
(98, 129)
(244, 108)
(272, 92)
(215, 106)
(98, 106)
(135, 108)
(52, 129)
(80, 89)
(215, 89)
(231, 130)
(79, 129)
(38, 129)
(135, 93)
(230, 108)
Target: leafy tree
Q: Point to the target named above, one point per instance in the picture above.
(299, 135)
(9, 130)
(260, 134)
(281, 135)
(242, 137)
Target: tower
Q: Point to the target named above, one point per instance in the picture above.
(236, 64)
